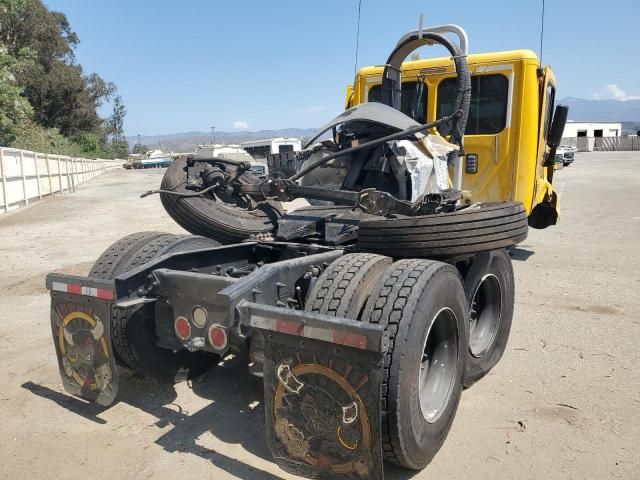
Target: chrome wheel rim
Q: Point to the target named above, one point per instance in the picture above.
(485, 315)
(438, 367)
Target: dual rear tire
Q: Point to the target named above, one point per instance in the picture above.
(133, 333)
(424, 305)
(489, 285)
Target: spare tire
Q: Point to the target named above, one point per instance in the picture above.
(209, 217)
(476, 228)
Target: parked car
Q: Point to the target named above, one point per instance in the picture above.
(565, 154)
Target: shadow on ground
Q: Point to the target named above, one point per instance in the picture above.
(520, 253)
(234, 416)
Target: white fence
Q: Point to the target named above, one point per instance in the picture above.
(28, 176)
(604, 144)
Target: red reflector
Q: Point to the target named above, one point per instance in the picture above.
(291, 328)
(350, 339)
(104, 294)
(182, 327)
(73, 288)
(217, 337)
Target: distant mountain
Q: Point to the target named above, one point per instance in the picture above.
(582, 110)
(187, 141)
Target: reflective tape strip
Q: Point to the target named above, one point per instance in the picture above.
(59, 287)
(89, 291)
(104, 294)
(319, 333)
(291, 328)
(349, 339)
(340, 337)
(77, 289)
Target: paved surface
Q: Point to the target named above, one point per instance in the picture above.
(563, 403)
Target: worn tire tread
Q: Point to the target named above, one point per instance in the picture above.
(395, 298)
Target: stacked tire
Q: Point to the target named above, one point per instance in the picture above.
(470, 230)
(210, 216)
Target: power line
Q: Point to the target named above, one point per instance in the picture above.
(541, 31)
(355, 65)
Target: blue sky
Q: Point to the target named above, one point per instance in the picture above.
(188, 65)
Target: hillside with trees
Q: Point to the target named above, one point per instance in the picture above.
(47, 103)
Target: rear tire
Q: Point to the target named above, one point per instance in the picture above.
(345, 285)
(133, 329)
(109, 264)
(422, 305)
(490, 288)
(341, 291)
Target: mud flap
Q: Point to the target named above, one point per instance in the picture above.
(322, 387)
(81, 326)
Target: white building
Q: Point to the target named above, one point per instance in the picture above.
(592, 129)
(259, 149)
(584, 135)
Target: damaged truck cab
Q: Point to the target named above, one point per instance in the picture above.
(509, 118)
(365, 313)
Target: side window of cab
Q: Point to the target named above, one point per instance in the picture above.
(413, 99)
(489, 100)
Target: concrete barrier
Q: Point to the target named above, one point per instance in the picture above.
(28, 176)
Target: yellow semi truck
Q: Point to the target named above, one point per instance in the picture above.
(366, 314)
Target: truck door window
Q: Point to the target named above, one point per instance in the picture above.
(409, 91)
(489, 97)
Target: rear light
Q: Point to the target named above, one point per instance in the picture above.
(199, 316)
(182, 328)
(218, 337)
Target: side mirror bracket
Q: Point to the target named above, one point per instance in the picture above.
(554, 136)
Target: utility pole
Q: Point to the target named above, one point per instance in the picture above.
(213, 134)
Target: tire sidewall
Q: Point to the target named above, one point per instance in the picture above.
(424, 439)
(498, 263)
(204, 216)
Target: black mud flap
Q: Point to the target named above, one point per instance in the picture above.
(81, 326)
(322, 387)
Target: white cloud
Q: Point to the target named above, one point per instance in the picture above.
(240, 124)
(318, 108)
(613, 92)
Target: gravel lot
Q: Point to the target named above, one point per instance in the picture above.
(563, 403)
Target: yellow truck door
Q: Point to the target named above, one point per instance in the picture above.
(488, 166)
(547, 83)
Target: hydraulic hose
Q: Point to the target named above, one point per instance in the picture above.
(392, 77)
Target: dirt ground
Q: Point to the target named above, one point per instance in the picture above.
(563, 402)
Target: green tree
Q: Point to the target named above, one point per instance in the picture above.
(140, 148)
(14, 107)
(115, 123)
(119, 149)
(46, 101)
